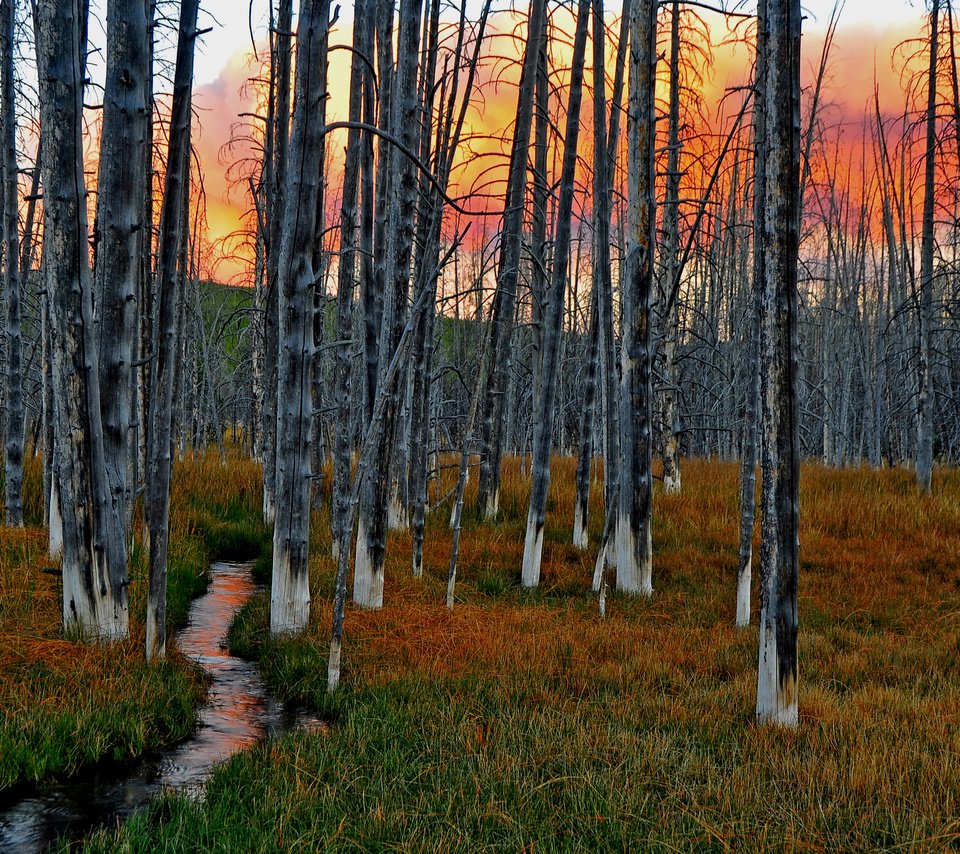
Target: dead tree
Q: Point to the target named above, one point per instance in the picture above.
(634, 541)
(671, 248)
(543, 430)
(14, 422)
(499, 355)
(166, 349)
(925, 398)
(278, 151)
(779, 549)
(94, 592)
(749, 448)
(290, 588)
(119, 231)
(395, 275)
(360, 80)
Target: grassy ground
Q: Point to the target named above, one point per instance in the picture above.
(66, 704)
(521, 721)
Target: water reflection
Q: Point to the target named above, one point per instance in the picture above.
(238, 713)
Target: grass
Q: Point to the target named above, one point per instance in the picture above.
(66, 704)
(522, 721)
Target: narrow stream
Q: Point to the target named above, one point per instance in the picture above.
(238, 713)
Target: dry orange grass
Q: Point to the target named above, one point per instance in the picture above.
(66, 703)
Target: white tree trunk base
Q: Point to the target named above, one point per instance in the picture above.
(397, 518)
(289, 596)
(743, 596)
(633, 577)
(367, 584)
(56, 527)
(532, 554)
(581, 537)
(333, 667)
(671, 484)
(493, 506)
(776, 703)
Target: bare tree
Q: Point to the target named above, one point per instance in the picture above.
(634, 541)
(925, 399)
(14, 421)
(119, 231)
(94, 593)
(290, 590)
(543, 428)
(779, 551)
(170, 248)
(504, 301)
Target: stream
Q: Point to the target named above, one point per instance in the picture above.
(238, 713)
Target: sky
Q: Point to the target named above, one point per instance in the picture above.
(869, 30)
(231, 30)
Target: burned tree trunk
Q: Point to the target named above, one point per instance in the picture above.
(121, 187)
(505, 299)
(634, 541)
(173, 234)
(543, 431)
(925, 398)
(360, 80)
(280, 138)
(372, 524)
(290, 589)
(749, 450)
(13, 473)
(779, 550)
(94, 597)
(671, 248)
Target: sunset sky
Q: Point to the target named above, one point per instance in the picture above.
(869, 31)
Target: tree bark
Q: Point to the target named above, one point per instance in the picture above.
(121, 187)
(925, 398)
(173, 233)
(634, 541)
(277, 201)
(497, 370)
(94, 599)
(290, 589)
(779, 550)
(13, 472)
(543, 431)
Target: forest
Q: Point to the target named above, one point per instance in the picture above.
(502, 426)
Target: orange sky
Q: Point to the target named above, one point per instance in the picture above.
(862, 56)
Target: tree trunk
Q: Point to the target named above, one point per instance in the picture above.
(94, 598)
(121, 187)
(925, 398)
(173, 233)
(290, 589)
(671, 248)
(13, 481)
(749, 452)
(504, 306)
(360, 80)
(371, 537)
(634, 541)
(277, 202)
(543, 432)
(779, 550)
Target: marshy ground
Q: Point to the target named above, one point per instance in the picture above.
(522, 720)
